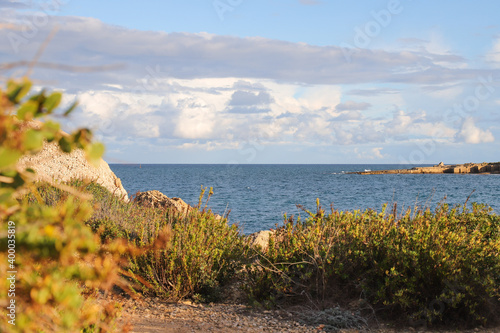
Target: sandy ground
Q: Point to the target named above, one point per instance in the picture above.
(153, 315)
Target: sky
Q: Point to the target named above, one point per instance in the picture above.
(274, 81)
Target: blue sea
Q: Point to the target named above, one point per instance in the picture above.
(259, 195)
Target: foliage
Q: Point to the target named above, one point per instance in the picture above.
(432, 266)
(57, 257)
(205, 252)
(109, 212)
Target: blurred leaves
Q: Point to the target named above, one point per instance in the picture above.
(57, 256)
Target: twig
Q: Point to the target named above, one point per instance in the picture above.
(69, 68)
(40, 51)
(470, 195)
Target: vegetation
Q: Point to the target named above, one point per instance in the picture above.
(48, 249)
(204, 254)
(203, 251)
(73, 239)
(436, 266)
(430, 267)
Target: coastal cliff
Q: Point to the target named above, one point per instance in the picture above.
(51, 163)
(484, 168)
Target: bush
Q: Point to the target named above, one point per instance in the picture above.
(49, 249)
(204, 253)
(430, 266)
(107, 209)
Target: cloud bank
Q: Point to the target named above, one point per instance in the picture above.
(203, 91)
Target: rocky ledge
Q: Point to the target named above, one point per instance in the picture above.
(52, 164)
(484, 168)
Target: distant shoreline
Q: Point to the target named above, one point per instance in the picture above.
(441, 168)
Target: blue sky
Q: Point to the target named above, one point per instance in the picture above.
(290, 81)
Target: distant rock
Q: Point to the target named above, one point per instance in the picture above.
(261, 239)
(157, 199)
(484, 168)
(53, 164)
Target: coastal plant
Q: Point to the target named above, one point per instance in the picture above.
(204, 253)
(51, 257)
(109, 212)
(432, 267)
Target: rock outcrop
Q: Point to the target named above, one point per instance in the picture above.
(485, 168)
(261, 239)
(157, 199)
(53, 164)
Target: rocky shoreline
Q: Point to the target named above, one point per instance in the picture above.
(467, 168)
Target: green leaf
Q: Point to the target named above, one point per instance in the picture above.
(16, 91)
(50, 129)
(52, 101)
(94, 153)
(8, 157)
(27, 110)
(70, 109)
(40, 97)
(33, 139)
(65, 145)
(82, 137)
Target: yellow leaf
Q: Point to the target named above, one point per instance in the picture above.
(94, 153)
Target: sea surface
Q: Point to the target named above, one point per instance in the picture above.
(259, 195)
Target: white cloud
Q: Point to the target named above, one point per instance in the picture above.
(319, 97)
(493, 56)
(88, 41)
(443, 91)
(196, 120)
(400, 123)
(352, 106)
(370, 154)
(210, 92)
(472, 134)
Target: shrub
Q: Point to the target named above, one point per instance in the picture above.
(204, 254)
(430, 266)
(49, 249)
(108, 211)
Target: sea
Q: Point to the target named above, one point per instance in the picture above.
(257, 197)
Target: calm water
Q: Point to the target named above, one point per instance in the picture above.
(259, 195)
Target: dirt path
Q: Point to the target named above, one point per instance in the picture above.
(152, 315)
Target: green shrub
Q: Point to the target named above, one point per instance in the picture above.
(53, 247)
(108, 210)
(430, 266)
(204, 253)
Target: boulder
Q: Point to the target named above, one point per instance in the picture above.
(261, 238)
(52, 164)
(157, 199)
